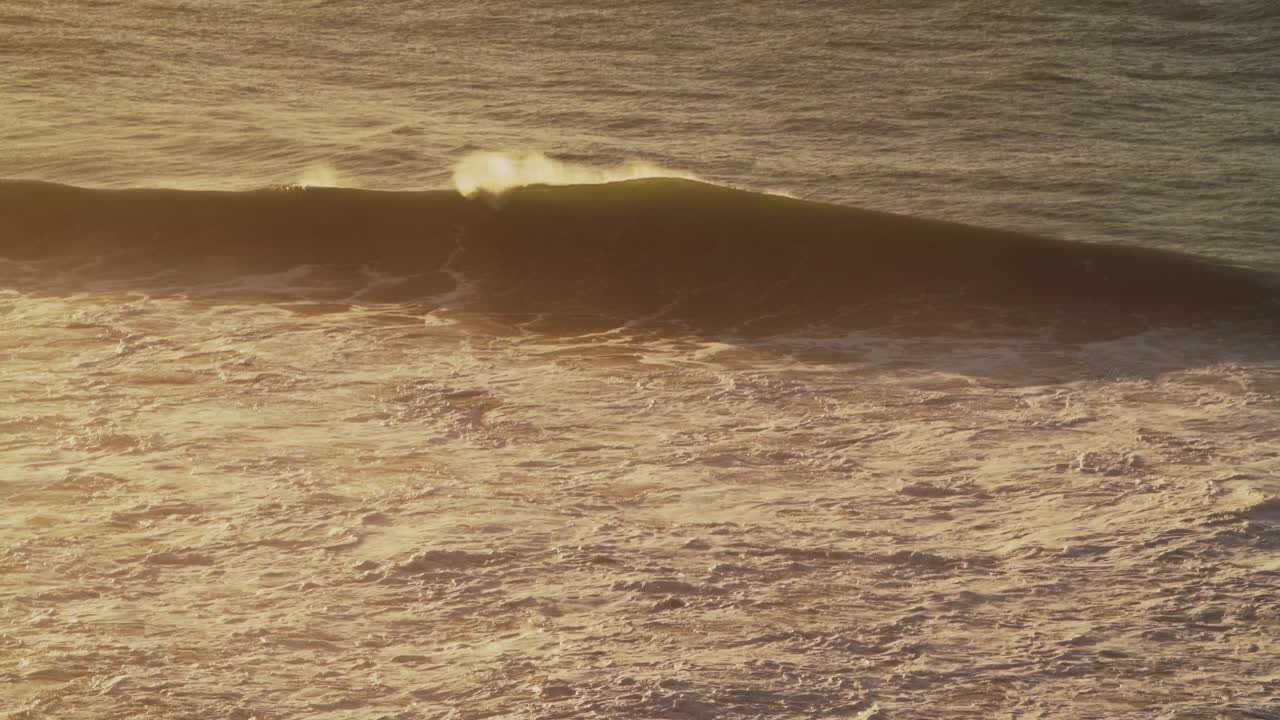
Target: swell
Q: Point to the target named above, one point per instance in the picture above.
(657, 250)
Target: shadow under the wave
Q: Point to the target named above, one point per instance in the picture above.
(663, 258)
(990, 345)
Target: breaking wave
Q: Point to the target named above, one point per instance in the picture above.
(495, 172)
(657, 251)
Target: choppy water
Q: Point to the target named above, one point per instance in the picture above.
(654, 448)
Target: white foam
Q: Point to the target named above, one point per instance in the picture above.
(498, 172)
(320, 174)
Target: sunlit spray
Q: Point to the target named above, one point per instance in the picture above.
(495, 173)
(319, 175)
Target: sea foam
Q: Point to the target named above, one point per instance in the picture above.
(498, 172)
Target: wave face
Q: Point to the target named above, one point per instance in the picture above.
(660, 252)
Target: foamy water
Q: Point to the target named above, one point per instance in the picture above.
(288, 513)
(657, 449)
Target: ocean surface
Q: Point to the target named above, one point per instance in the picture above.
(627, 360)
(1143, 122)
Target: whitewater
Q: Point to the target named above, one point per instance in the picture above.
(547, 360)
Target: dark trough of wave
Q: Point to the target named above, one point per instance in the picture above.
(663, 252)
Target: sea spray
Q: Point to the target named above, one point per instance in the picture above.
(498, 172)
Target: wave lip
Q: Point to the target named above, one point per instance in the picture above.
(496, 173)
(661, 251)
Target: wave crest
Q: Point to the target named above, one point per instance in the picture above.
(498, 172)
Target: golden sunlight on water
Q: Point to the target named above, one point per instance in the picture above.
(496, 172)
(229, 509)
(319, 175)
(657, 449)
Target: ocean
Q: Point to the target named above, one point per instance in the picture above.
(683, 360)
